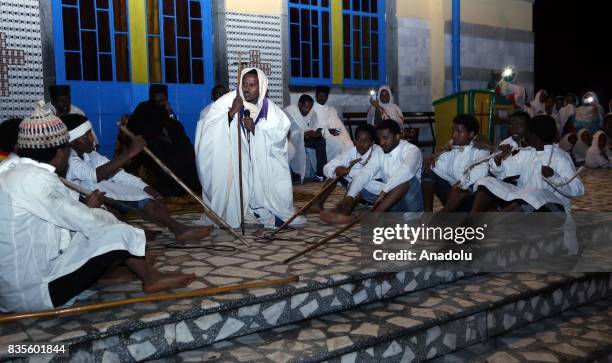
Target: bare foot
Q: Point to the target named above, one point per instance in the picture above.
(193, 233)
(166, 281)
(152, 256)
(332, 217)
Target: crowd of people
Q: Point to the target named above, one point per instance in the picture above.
(54, 243)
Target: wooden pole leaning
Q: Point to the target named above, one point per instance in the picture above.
(326, 239)
(238, 128)
(310, 203)
(7, 318)
(207, 210)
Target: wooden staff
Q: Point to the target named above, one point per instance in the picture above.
(238, 127)
(112, 202)
(311, 202)
(209, 212)
(85, 308)
(325, 240)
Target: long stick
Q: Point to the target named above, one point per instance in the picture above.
(311, 202)
(112, 202)
(209, 212)
(325, 240)
(6, 318)
(238, 127)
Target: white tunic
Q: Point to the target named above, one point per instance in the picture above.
(451, 165)
(397, 167)
(531, 186)
(509, 141)
(266, 178)
(45, 233)
(299, 124)
(375, 186)
(327, 118)
(121, 186)
(594, 158)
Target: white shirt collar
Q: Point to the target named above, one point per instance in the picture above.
(46, 166)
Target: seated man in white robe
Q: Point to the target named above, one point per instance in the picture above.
(266, 180)
(547, 175)
(306, 134)
(399, 163)
(53, 247)
(93, 170)
(337, 139)
(452, 175)
(349, 164)
(518, 130)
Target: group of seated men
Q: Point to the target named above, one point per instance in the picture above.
(54, 243)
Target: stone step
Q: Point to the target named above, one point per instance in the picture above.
(416, 326)
(582, 334)
(232, 315)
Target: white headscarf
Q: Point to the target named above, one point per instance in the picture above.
(581, 148)
(263, 88)
(392, 110)
(586, 112)
(536, 106)
(594, 157)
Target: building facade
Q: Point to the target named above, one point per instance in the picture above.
(110, 50)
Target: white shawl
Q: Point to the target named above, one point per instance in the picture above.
(594, 158)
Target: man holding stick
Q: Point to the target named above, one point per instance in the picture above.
(267, 188)
(53, 247)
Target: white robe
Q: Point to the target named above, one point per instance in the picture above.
(580, 149)
(374, 186)
(327, 118)
(46, 233)
(299, 124)
(565, 113)
(266, 178)
(531, 186)
(122, 186)
(398, 166)
(565, 144)
(535, 106)
(509, 141)
(594, 158)
(451, 166)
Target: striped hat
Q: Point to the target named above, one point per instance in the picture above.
(42, 130)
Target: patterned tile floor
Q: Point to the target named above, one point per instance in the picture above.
(418, 326)
(577, 335)
(260, 262)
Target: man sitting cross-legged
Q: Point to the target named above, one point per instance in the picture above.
(451, 176)
(53, 247)
(399, 164)
(358, 156)
(92, 171)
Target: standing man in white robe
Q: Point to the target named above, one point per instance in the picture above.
(266, 179)
(306, 134)
(53, 247)
(61, 101)
(337, 139)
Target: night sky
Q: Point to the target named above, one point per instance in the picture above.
(573, 47)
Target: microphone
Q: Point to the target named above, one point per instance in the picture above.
(247, 113)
